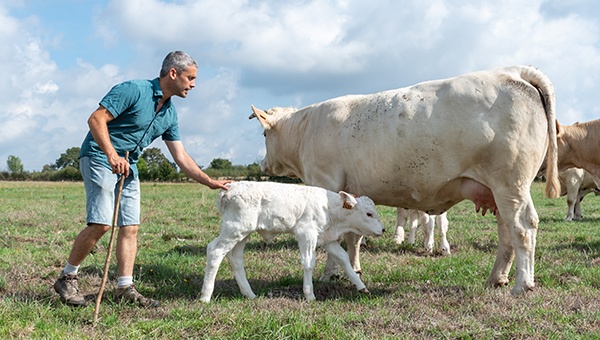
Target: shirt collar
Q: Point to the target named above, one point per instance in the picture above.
(157, 91)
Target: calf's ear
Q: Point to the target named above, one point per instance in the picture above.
(348, 201)
(261, 116)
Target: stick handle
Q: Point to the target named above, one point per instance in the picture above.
(110, 246)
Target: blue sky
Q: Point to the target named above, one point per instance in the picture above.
(60, 57)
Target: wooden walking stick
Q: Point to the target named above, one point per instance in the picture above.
(110, 246)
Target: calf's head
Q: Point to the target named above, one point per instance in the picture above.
(358, 215)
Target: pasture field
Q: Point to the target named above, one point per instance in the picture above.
(413, 295)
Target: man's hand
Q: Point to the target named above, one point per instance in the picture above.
(219, 184)
(119, 165)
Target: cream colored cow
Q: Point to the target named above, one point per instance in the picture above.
(481, 136)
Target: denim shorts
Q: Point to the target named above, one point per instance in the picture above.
(101, 190)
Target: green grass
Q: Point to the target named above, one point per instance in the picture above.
(413, 295)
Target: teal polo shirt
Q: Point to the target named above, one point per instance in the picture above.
(137, 124)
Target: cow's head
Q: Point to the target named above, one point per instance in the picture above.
(278, 141)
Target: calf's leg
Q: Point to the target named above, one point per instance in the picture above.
(236, 259)
(307, 245)
(332, 267)
(337, 252)
(215, 252)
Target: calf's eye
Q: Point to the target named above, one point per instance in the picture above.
(369, 214)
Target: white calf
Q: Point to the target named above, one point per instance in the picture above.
(315, 216)
(413, 218)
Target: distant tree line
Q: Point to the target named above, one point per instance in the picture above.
(153, 165)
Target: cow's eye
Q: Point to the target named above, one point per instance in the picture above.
(369, 214)
(265, 133)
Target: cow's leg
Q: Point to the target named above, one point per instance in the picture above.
(413, 224)
(517, 230)
(428, 224)
(337, 252)
(442, 222)
(236, 259)
(353, 242)
(572, 203)
(504, 256)
(215, 252)
(401, 218)
(308, 244)
(577, 208)
(524, 241)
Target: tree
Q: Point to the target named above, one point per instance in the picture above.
(154, 157)
(166, 172)
(68, 158)
(142, 166)
(221, 164)
(14, 164)
(253, 171)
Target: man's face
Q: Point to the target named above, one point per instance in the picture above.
(184, 81)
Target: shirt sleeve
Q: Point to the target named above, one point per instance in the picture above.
(120, 98)
(172, 133)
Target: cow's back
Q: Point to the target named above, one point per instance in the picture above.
(270, 203)
(402, 147)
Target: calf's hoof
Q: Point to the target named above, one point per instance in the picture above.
(364, 291)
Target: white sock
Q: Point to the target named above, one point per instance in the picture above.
(70, 269)
(124, 281)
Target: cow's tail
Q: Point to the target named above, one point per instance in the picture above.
(542, 83)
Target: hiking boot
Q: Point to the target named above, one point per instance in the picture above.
(66, 287)
(131, 294)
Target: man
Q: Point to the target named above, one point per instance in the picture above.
(129, 118)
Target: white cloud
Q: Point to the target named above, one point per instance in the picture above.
(276, 53)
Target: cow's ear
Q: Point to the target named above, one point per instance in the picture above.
(557, 128)
(261, 116)
(348, 201)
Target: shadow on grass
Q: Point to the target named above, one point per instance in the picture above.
(164, 282)
(340, 290)
(590, 248)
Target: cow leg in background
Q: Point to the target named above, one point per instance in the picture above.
(442, 222)
(577, 208)
(413, 224)
(573, 202)
(401, 217)
(353, 242)
(428, 224)
(406, 217)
